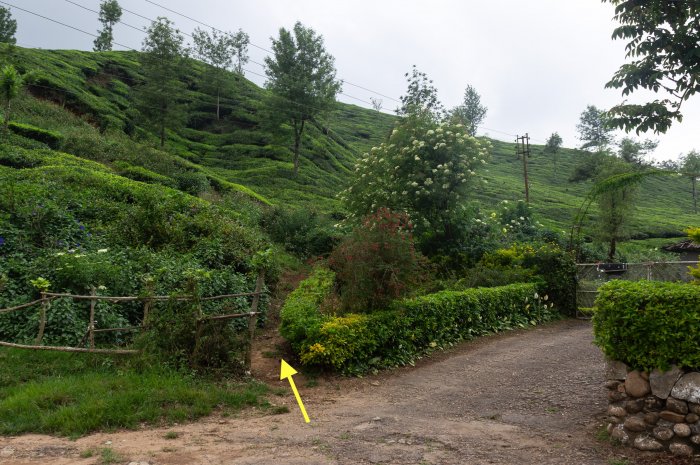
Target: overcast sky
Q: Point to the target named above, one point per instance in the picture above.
(536, 63)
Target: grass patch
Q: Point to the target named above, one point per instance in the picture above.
(109, 457)
(171, 435)
(75, 394)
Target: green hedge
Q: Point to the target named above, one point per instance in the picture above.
(649, 324)
(355, 343)
(50, 138)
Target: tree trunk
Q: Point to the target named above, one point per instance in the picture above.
(298, 131)
(612, 250)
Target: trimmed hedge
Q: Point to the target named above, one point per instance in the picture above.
(50, 138)
(356, 343)
(649, 324)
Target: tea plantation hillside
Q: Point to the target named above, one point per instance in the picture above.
(85, 97)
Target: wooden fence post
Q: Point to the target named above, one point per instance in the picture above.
(146, 310)
(91, 328)
(42, 317)
(253, 319)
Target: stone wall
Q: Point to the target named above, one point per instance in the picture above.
(654, 411)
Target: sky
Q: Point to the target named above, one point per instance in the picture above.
(537, 64)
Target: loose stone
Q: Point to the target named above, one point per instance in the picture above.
(616, 396)
(615, 370)
(651, 418)
(617, 411)
(672, 416)
(644, 442)
(637, 425)
(692, 418)
(662, 381)
(682, 430)
(695, 439)
(612, 384)
(620, 434)
(675, 405)
(634, 406)
(678, 448)
(663, 434)
(636, 385)
(688, 388)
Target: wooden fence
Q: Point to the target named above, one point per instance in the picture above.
(47, 297)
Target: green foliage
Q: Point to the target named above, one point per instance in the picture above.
(51, 138)
(633, 151)
(552, 147)
(110, 14)
(76, 394)
(616, 206)
(594, 129)
(377, 263)
(425, 169)
(8, 27)
(663, 48)
(301, 78)
(649, 324)
(302, 232)
(158, 97)
(300, 315)
(10, 85)
(355, 343)
(471, 112)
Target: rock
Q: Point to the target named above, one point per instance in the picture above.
(663, 434)
(644, 442)
(645, 375)
(695, 408)
(636, 424)
(678, 448)
(653, 403)
(615, 370)
(688, 388)
(620, 434)
(682, 430)
(377, 419)
(651, 418)
(662, 382)
(665, 423)
(635, 385)
(695, 428)
(617, 411)
(616, 396)
(695, 439)
(672, 416)
(675, 405)
(634, 406)
(692, 418)
(612, 384)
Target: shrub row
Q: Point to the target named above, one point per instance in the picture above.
(50, 138)
(356, 343)
(649, 324)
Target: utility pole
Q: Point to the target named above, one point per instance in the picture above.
(522, 148)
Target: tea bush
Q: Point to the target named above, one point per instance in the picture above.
(51, 138)
(649, 324)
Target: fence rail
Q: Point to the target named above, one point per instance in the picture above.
(590, 276)
(47, 297)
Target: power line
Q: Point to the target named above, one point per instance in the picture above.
(95, 11)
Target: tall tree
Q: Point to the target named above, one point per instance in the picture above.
(10, 84)
(110, 14)
(594, 130)
(162, 64)
(634, 151)
(552, 147)
(241, 40)
(218, 50)
(616, 206)
(471, 112)
(301, 78)
(8, 27)
(663, 50)
(690, 166)
(421, 97)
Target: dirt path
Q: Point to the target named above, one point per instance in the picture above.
(526, 397)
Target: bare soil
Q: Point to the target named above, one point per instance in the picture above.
(531, 397)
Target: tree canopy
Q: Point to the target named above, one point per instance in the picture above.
(8, 27)
(301, 75)
(663, 51)
(471, 112)
(594, 130)
(110, 14)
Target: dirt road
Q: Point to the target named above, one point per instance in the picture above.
(525, 397)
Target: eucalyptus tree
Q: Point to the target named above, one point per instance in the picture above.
(162, 63)
(301, 78)
(471, 112)
(8, 27)
(110, 14)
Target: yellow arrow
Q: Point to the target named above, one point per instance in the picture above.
(286, 371)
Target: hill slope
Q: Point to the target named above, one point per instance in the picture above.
(241, 152)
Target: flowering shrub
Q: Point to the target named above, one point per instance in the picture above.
(424, 168)
(377, 262)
